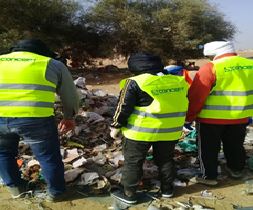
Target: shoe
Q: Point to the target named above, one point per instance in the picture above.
(20, 192)
(167, 193)
(200, 180)
(234, 174)
(120, 195)
(68, 194)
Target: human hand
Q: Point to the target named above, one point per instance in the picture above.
(66, 125)
(188, 125)
(115, 133)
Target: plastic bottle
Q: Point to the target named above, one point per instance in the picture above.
(178, 183)
(250, 187)
(206, 193)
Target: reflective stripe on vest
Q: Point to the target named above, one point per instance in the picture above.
(154, 130)
(159, 116)
(232, 95)
(24, 90)
(163, 119)
(27, 87)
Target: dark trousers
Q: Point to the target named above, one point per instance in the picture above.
(210, 137)
(135, 153)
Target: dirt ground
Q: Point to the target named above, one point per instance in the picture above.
(229, 191)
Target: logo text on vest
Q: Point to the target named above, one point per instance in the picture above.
(233, 68)
(166, 91)
(17, 59)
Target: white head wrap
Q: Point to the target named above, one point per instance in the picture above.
(218, 48)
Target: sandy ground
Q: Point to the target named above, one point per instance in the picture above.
(231, 191)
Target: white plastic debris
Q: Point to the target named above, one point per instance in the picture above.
(99, 92)
(78, 129)
(81, 94)
(88, 178)
(29, 157)
(178, 183)
(93, 117)
(32, 163)
(70, 175)
(101, 110)
(62, 152)
(72, 151)
(80, 82)
(99, 159)
(102, 183)
(69, 157)
(117, 156)
(79, 162)
(57, 98)
(100, 148)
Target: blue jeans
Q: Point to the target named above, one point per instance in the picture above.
(40, 133)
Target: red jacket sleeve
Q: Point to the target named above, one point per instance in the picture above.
(199, 90)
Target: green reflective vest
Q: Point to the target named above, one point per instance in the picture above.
(24, 90)
(232, 95)
(164, 118)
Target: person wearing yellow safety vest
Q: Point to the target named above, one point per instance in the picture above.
(150, 112)
(221, 99)
(29, 79)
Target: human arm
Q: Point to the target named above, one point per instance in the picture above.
(199, 90)
(125, 105)
(58, 74)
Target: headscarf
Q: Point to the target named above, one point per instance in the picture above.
(218, 48)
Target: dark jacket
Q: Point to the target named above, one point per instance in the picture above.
(130, 97)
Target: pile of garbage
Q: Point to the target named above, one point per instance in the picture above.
(93, 159)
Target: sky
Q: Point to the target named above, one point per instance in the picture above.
(239, 12)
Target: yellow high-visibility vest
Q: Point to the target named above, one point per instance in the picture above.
(24, 90)
(164, 118)
(232, 95)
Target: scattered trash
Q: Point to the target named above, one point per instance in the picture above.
(93, 159)
(178, 183)
(118, 205)
(242, 208)
(92, 117)
(79, 162)
(188, 146)
(206, 193)
(70, 175)
(1, 181)
(191, 135)
(88, 178)
(99, 92)
(151, 207)
(32, 163)
(80, 82)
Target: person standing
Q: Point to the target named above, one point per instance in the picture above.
(29, 78)
(150, 112)
(221, 96)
